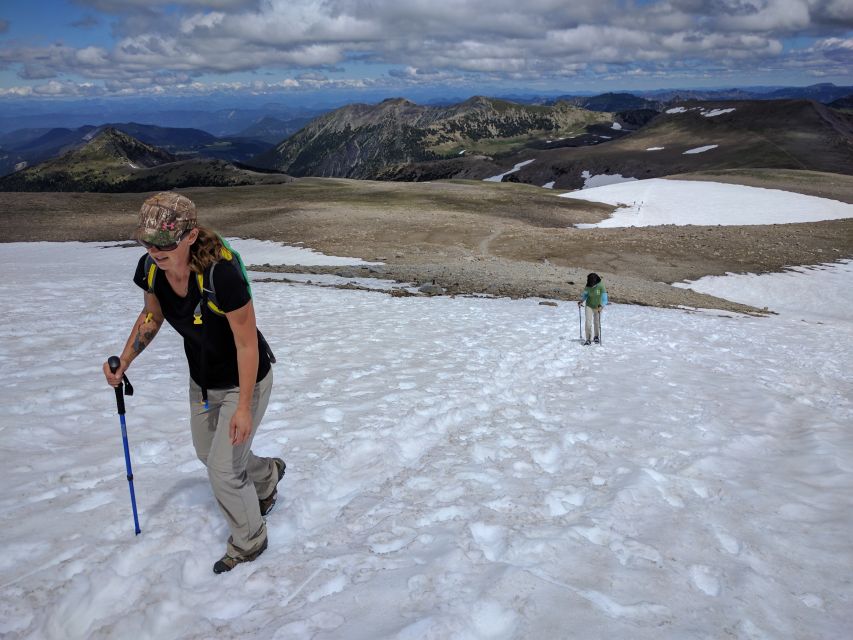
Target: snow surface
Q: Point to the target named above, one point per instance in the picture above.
(549, 185)
(658, 201)
(500, 176)
(616, 126)
(268, 252)
(457, 468)
(591, 181)
(655, 149)
(707, 147)
(713, 113)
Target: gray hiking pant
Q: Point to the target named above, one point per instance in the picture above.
(593, 316)
(237, 476)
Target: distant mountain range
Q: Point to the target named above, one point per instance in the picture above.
(26, 147)
(824, 92)
(556, 143)
(230, 122)
(112, 161)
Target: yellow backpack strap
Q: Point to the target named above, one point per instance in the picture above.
(206, 295)
(150, 271)
(197, 312)
(211, 289)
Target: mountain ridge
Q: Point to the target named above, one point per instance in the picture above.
(361, 140)
(114, 161)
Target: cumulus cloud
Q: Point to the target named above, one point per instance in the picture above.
(443, 41)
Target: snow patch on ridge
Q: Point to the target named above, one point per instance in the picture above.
(500, 176)
(707, 147)
(599, 180)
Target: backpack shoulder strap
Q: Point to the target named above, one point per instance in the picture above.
(206, 283)
(208, 289)
(231, 255)
(150, 272)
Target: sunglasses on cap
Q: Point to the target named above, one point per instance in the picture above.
(165, 247)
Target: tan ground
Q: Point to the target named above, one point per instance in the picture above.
(506, 239)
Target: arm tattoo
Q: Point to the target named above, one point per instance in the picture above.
(145, 334)
(143, 339)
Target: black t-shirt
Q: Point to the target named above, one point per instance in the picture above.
(220, 367)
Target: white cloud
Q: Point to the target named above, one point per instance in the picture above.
(493, 39)
(92, 56)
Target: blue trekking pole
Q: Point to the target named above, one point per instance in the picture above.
(600, 330)
(114, 363)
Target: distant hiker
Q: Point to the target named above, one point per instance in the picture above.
(192, 279)
(595, 297)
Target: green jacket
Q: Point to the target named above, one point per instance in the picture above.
(595, 296)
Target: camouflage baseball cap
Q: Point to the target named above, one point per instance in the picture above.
(165, 217)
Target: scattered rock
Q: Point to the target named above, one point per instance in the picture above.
(548, 303)
(432, 290)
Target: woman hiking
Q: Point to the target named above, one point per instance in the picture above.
(185, 267)
(595, 296)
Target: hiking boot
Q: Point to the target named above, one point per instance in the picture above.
(596, 340)
(226, 562)
(587, 342)
(266, 504)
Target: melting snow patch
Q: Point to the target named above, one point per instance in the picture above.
(548, 185)
(461, 152)
(590, 181)
(677, 110)
(716, 112)
(707, 147)
(500, 176)
(644, 203)
(616, 126)
(267, 252)
(797, 293)
(655, 149)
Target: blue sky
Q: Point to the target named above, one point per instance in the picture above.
(101, 48)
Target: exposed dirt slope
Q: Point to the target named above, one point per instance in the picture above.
(507, 239)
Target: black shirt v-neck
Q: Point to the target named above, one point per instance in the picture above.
(231, 294)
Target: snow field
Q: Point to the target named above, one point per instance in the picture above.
(457, 468)
(657, 201)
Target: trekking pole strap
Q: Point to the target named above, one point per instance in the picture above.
(114, 363)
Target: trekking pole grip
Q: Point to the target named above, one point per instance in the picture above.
(114, 363)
